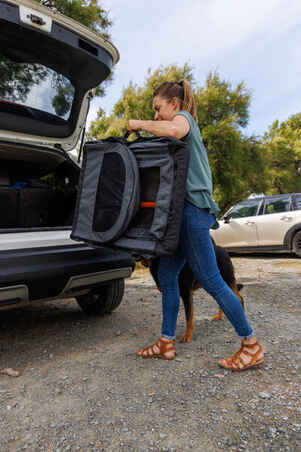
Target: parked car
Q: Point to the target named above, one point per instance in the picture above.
(49, 64)
(263, 224)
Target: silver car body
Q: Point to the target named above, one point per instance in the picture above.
(268, 223)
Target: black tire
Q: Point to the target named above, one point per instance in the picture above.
(296, 243)
(102, 300)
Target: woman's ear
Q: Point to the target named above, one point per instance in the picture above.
(175, 103)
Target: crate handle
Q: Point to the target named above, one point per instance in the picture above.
(148, 205)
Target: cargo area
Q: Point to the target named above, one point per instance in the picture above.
(37, 191)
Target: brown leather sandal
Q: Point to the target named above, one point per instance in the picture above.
(240, 360)
(164, 349)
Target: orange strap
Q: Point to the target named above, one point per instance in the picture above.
(150, 205)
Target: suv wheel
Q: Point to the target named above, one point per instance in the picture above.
(297, 243)
(104, 300)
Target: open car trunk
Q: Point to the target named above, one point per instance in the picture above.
(37, 192)
(48, 66)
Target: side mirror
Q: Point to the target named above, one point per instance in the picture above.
(227, 219)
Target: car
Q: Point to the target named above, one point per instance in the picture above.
(49, 65)
(262, 224)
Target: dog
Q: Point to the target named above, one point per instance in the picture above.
(188, 284)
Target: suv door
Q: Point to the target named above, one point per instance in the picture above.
(238, 227)
(276, 220)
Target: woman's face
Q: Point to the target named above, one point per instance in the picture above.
(164, 109)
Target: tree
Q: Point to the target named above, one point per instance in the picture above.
(223, 111)
(282, 150)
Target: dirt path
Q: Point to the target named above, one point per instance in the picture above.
(82, 387)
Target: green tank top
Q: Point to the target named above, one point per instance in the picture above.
(199, 179)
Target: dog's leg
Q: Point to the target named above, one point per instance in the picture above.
(218, 316)
(187, 297)
(235, 289)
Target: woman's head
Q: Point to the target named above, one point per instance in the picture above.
(171, 97)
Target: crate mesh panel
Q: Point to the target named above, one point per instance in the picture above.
(109, 192)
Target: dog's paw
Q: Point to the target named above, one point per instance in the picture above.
(186, 338)
(218, 316)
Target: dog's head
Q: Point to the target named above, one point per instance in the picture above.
(145, 262)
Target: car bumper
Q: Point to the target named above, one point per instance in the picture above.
(47, 273)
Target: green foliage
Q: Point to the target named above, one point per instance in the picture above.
(218, 101)
(236, 161)
(282, 151)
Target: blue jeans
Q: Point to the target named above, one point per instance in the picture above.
(196, 248)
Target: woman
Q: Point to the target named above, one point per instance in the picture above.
(175, 116)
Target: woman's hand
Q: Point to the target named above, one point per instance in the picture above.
(133, 124)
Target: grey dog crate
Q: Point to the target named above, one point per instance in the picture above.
(131, 194)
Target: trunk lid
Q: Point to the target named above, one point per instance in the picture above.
(48, 66)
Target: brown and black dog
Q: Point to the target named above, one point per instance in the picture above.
(188, 284)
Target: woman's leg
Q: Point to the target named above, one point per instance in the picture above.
(168, 274)
(197, 247)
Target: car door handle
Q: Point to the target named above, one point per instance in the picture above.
(285, 218)
(250, 223)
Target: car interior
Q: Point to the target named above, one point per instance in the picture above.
(38, 191)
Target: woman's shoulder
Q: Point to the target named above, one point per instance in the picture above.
(188, 118)
(186, 114)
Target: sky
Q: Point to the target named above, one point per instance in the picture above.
(255, 41)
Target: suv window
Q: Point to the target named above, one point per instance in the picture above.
(277, 205)
(297, 202)
(247, 209)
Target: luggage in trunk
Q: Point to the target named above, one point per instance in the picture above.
(131, 194)
(34, 206)
(8, 207)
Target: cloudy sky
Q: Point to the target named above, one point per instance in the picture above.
(255, 41)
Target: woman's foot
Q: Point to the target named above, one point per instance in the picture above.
(249, 355)
(164, 348)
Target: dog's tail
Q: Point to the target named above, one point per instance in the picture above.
(240, 287)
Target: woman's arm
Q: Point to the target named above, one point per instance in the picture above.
(178, 127)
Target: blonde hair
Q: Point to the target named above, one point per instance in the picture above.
(182, 90)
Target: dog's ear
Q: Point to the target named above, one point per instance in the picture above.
(239, 287)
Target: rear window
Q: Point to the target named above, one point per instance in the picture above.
(35, 91)
(277, 205)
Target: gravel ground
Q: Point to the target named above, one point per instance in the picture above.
(82, 386)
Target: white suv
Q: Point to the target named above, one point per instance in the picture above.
(48, 66)
(268, 223)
